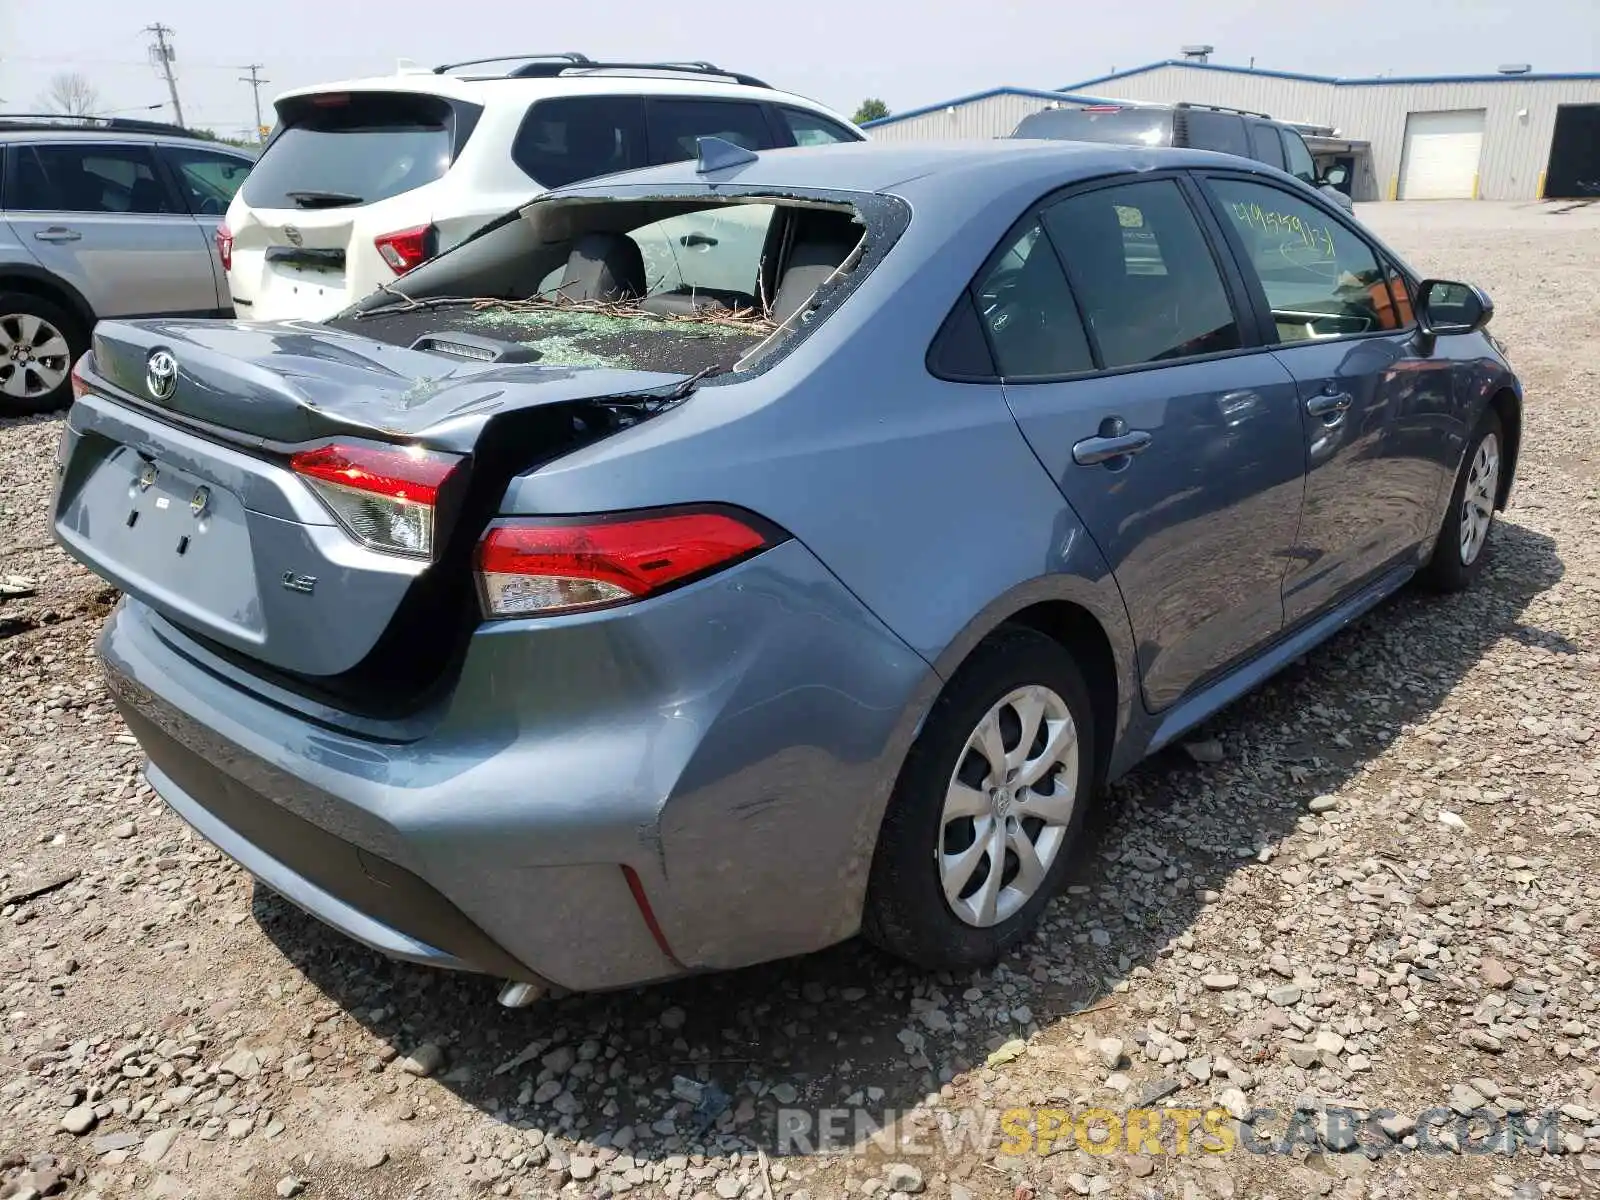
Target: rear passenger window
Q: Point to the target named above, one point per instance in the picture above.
(1148, 298)
(960, 351)
(1217, 131)
(86, 178)
(1028, 309)
(1265, 144)
(580, 137)
(677, 125)
(1321, 280)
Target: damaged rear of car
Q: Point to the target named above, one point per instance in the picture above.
(463, 724)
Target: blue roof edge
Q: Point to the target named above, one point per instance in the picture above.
(1037, 93)
(1335, 80)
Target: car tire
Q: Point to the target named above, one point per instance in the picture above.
(910, 910)
(41, 382)
(1464, 542)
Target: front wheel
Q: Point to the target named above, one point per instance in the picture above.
(1463, 544)
(988, 805)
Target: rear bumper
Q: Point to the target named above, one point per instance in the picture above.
(732, 744)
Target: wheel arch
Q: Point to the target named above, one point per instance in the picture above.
(1508, 406)
(36, 281)
(1089, 620)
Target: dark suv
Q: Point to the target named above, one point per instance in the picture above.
(1197, 126)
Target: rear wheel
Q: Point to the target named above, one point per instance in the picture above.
(1463, 545)
(39, 342)
(990, 800)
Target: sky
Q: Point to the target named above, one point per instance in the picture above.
(836, 51)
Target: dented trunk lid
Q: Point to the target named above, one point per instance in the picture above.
(177, 485)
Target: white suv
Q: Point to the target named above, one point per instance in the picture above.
(363, 180)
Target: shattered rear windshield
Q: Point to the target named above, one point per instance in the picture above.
(662, 283)
(569, 336)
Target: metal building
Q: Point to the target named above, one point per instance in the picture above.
(1513, 135)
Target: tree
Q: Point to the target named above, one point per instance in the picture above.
(71, 95)
(871, 109)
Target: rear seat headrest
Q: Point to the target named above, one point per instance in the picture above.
(604, 266)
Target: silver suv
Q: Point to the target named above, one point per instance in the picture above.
(101, 218)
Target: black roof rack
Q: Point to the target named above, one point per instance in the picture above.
(550, 66)
(47, 121)
(1243, 112)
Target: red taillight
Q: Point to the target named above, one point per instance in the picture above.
(80, 385)
(331, 99)
(383, 495)
(533, 569)
(225, 247)
(408, 248)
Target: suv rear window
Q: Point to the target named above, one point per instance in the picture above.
(337, 149)
(1118, 126)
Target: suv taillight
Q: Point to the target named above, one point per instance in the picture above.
(384, 496)
(225, 247)
(408, 248)
(531, 568)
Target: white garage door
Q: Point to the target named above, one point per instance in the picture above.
(1440, 160)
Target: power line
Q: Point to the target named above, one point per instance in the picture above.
(255, 82)
(162, 54)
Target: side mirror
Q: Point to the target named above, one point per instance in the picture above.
(1447, 307)
(1336, 175)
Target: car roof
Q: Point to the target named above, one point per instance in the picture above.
(521, 91)
(893, 166)
(38, 133)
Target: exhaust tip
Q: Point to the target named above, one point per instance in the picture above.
(520, 995)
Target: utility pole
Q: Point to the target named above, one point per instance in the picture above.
(163, 55)
(255, 81)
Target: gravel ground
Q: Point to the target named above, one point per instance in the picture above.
(1368, 892)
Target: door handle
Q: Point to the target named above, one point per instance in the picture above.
(1330, 404)
(1091, 451)
(697, 239)
(57, 233)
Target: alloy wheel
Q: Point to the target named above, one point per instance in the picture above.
(1008, 806)
(1477, 500)
(34, 356)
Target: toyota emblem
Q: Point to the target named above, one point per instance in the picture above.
(161, 374)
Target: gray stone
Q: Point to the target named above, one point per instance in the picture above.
(116, 1141)
(674, 1018)
(423, 1061)
(1220, 983)
(1111, 1052)
(245, 1064)
(290, 1187)
(903, 1177)
(560, 1060)
(156, 1146)
(1154, 1090)
(582, 1169)
(80, 1120)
